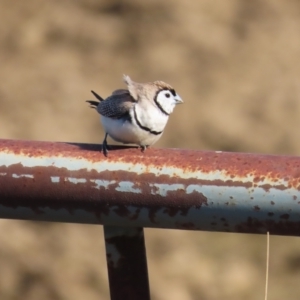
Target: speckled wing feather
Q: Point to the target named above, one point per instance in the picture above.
(117, 105)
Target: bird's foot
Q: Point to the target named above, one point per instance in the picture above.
(105, 147)
(143, 148)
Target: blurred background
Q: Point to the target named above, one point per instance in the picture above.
(235, 64)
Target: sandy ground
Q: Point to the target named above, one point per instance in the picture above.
(235, 64)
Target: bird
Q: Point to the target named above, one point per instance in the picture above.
(136, 115)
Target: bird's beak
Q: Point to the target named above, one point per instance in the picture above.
(178, 99)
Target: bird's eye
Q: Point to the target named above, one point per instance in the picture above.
(168, 95)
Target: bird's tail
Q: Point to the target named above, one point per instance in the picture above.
(93, 103)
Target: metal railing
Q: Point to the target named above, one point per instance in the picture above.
(162, 188)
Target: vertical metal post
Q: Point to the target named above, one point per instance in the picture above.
(126, 263)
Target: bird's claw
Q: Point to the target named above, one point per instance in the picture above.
(105, 147)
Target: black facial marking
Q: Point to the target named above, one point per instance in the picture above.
(144, 127)
(158, 105)
(173, 92)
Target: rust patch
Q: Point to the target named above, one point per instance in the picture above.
(135, 215)
(256, 179)
(173, 211)
(280, 187)
(256, 208)
(152, 213)
(122, 211)
(285, 216)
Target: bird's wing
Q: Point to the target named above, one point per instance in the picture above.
(120, 92)
(116, 106)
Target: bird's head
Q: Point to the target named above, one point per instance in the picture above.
(159, 92)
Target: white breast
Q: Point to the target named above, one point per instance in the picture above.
(150, 116)
(124, 131)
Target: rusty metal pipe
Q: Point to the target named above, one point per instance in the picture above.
(164, 188)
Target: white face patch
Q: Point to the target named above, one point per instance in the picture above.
(166, 100)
